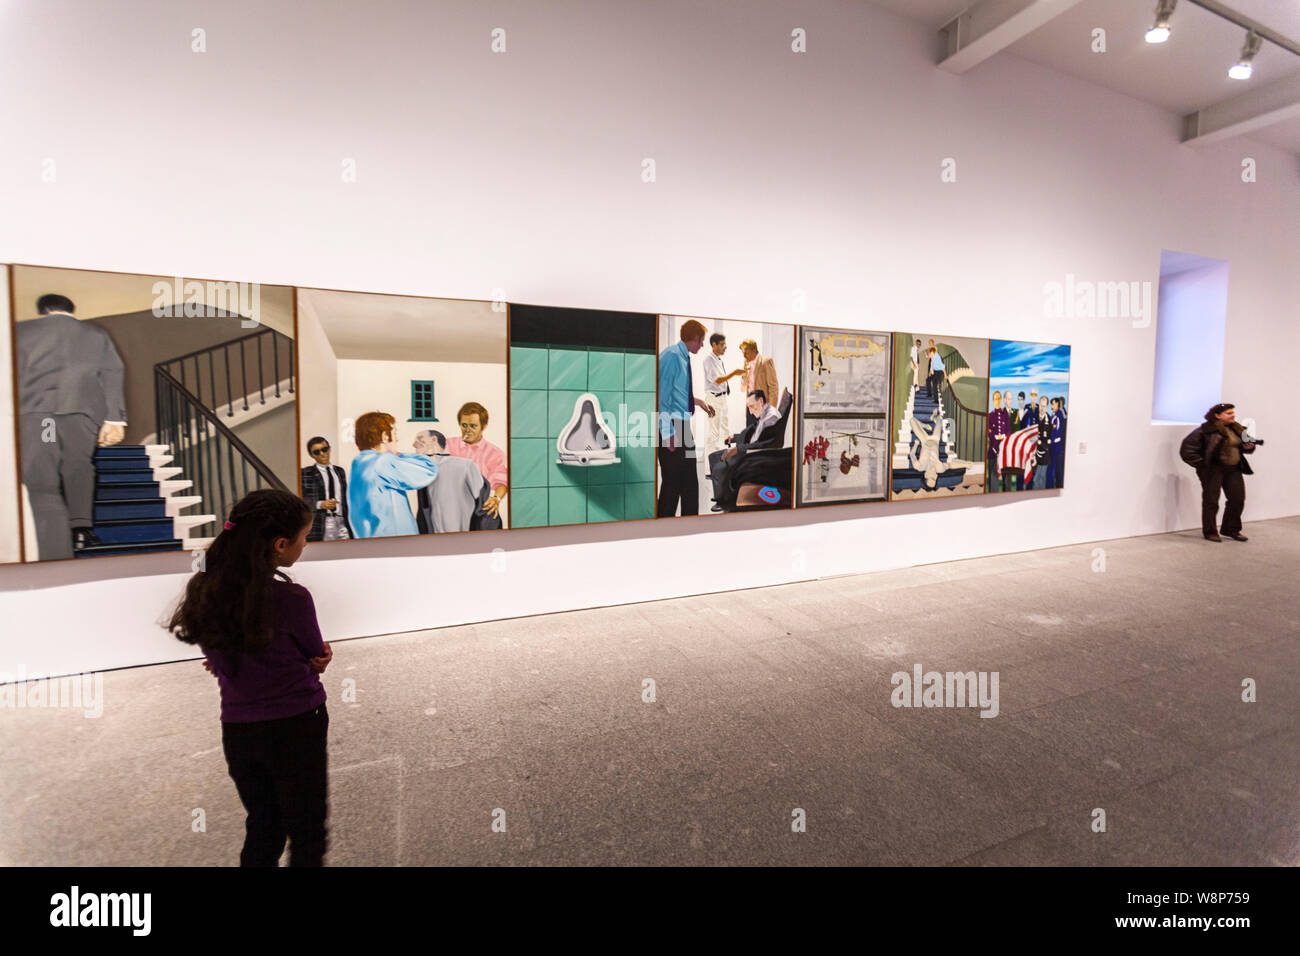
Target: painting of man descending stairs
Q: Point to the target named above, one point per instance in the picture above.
(940, 416)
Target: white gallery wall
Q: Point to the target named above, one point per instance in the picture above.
(788, 187)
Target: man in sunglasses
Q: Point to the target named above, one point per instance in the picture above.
(325, 489)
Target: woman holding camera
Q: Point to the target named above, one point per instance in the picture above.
(1217, 452)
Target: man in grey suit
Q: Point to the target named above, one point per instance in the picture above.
(70, 399)
(450, 502)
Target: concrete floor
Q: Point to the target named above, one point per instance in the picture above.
(1119, 689)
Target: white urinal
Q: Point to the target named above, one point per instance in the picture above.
(586, 440)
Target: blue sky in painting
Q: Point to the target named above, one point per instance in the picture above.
(1022, 366)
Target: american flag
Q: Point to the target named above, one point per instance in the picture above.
(1018, 450)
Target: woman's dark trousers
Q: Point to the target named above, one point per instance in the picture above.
(1233, 484)
(279, 769)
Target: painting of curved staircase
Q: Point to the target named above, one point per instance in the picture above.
(939, 439)
(952, 473)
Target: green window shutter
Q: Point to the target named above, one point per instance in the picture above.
(422, 402)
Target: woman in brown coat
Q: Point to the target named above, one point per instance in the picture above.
(1217, 453)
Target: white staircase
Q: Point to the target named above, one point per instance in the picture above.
(170, 483)
(169, 487)
(258, 405)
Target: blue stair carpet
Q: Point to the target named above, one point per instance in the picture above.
(130, 512)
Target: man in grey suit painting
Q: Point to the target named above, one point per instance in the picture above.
(70, 399)
(456, 496)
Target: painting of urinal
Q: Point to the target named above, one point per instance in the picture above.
(437, 367)
(940, 416)
(190, 402)
(586, 441)
(843, 443)
(582, 402)
(1029, 384)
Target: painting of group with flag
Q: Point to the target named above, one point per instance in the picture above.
(1028, 387)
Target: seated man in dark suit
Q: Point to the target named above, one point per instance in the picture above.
(761, 434)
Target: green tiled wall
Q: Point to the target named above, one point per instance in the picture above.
(544, 384)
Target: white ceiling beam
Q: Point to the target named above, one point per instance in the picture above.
(990, 26)
(1255, 109)
(1232, 16)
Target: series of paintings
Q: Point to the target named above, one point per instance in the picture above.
(148, 405)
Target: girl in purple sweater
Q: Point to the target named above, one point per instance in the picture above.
(258, 633)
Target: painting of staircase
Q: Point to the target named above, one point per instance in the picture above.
(165, 493)
(923, 407)
(939, 440)
(140, 505)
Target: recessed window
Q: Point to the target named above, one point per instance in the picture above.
(1191, 319)
(422, 402)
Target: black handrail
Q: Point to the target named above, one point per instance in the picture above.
(212, 379)
(199, 441)
(213, 348)
(243, 374)
(266, 345)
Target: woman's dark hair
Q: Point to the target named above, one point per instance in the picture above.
(227, 605)
(1218, 410)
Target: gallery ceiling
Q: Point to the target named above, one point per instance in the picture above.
(396, 328)
(1186, 74)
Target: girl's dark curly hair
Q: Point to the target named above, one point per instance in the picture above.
(227, 605)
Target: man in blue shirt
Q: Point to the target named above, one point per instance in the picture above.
(936, 373)
(381, 477)
(679, 483)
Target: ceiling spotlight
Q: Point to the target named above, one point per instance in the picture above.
(1242, 69)
(1159, 31)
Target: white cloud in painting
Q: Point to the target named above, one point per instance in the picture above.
(1022, 366)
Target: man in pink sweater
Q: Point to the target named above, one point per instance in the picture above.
(491, 460)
